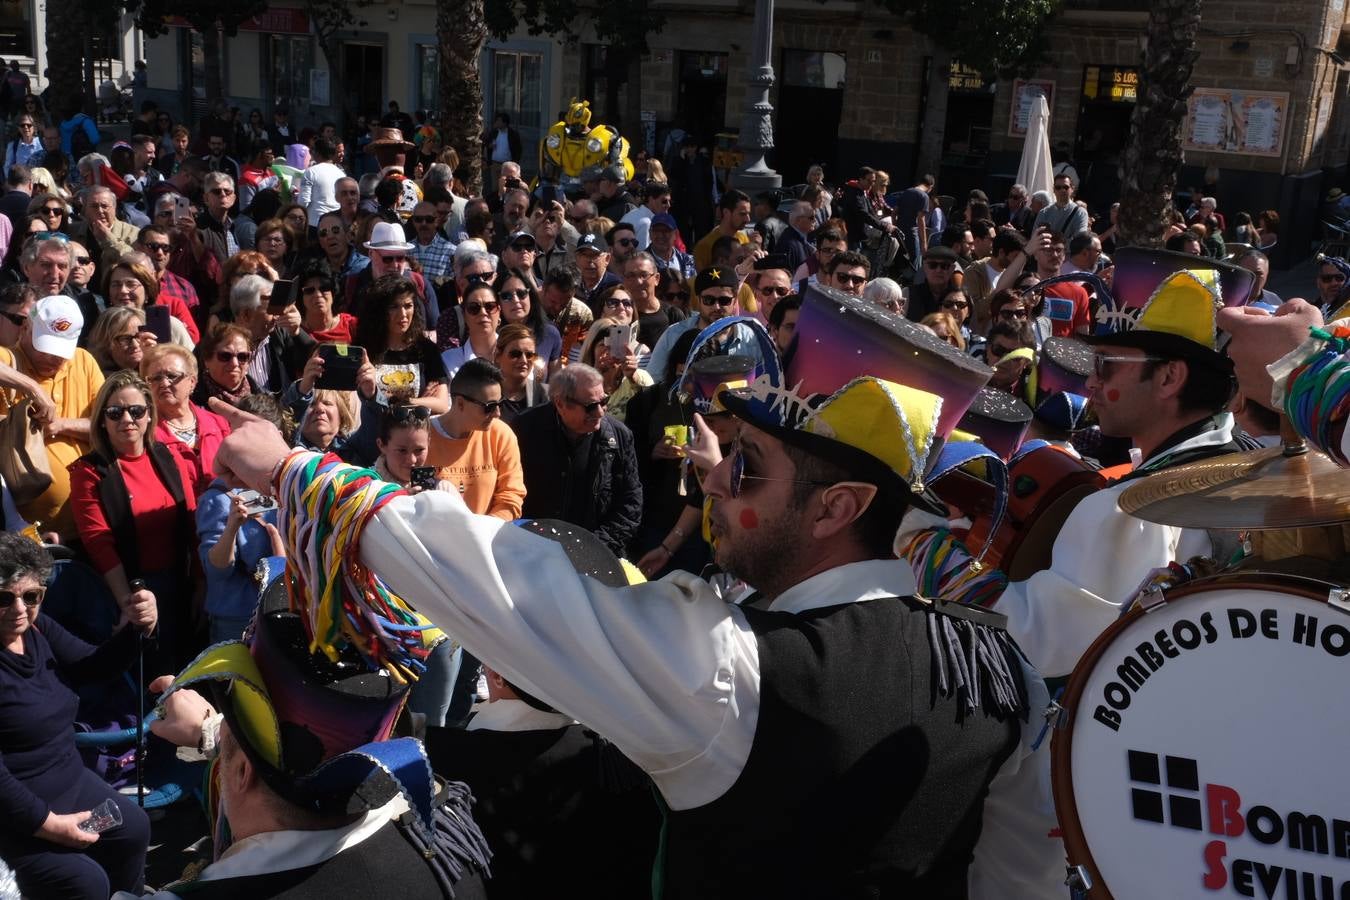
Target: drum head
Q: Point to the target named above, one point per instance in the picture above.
(1203, 753)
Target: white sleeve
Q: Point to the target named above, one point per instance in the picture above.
(1099, 558)
(665, 670)
(15, 521)
(305, 191)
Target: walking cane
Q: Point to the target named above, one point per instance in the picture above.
(139, 585)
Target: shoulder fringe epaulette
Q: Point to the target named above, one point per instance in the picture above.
(456, 844)
(975, 660)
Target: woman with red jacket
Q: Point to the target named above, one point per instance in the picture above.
(191, 431)
(133, 501)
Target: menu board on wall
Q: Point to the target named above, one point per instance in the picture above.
(1025, 92)
(1229, 121)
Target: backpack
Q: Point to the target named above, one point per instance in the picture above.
(80, 144)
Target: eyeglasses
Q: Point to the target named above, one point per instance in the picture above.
(639, 275)
(390, 260)
(309, 289)
(521, 354)
(592, 408)
(15, 319)
(222, 192)
(775, 291)
(521, 294)
(1014, 313)
(722, 300)
(490, 406)
(126, 341)
(1333, 278)
(824, 252)
(739, 475)
(955, 304)
(476, 308)
(30, 598)
(331, 231)
(53, 210)
(84, 260)
(409, 413)
(156, 248)
(115, 413)
(172, 379)
(1101, 360)
(626, 242)
(484, 277)
(616, 302)
(423, 220)
(25, 124)
(936, 264)
(226, 357)
(850, 280)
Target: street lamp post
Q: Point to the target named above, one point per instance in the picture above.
(756, 137)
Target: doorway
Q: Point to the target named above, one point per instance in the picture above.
(806, 116)
(1108, 98)
(363, 79)
(966, 131)
(702, 105)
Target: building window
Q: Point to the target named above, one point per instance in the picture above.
(16, 27)
(428, 76)
(517, 85)
(814, 69)
(292, 58)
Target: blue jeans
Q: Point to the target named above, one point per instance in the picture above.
(431, 694)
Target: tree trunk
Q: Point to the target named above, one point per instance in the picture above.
(211, 51)
(65, 56)
(1154, 153)
(632, 111)
(462, 32)
(929, 159)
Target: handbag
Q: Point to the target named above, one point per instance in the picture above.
(23, 454)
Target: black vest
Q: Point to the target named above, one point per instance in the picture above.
(557, 806)
(112, 495)
(865, 779)
(383, 865)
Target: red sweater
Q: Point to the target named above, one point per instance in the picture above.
(152, 508)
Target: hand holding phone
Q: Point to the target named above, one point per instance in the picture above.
(423, 477)
(341, 363)
(157, 323)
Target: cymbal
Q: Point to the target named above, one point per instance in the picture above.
(1260, 489)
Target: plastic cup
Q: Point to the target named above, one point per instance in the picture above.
(103, 817)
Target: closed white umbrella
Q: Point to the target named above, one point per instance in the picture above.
(1035, 170)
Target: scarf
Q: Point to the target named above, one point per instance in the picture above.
(213, 389)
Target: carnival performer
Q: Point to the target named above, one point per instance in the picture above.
(781, 776)
(1163, 384)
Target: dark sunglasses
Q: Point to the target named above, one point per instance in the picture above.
(1328, 279)
(157, 248)
(521, 354)
(225, 356)
(775, 291)
(514, 295)
(30, 598)
(480, 277)
(15, 319)
(616, 302)
(423, 220)
(490, 407)
(523, 247)
(851, 280)
(83, 260)
(591, 409)
(390, 260)
(955, 304)
(626, 242)
(309, 289)
(717, 300)
(476, 308)
(115, 413)
(172, 379)
(409, 413)
(53, 210)
(739, 475)
(1017, 313)
(936, 264)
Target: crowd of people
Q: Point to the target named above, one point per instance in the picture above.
(528, 356)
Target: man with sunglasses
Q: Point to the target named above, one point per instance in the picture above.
(579, 462)
(771, 281)
(470, 445)
(1330, 287)
(623, 243)
(336, 246)
(389, 250)
(940, 272)
(717, 289)
(980, 277)
(432, 251)
(1163, 385)
(174, 292)
(847, 272)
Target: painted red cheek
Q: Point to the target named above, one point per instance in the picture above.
(749, 519)
(1112, 394)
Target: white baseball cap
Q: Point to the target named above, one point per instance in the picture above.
(56, 325)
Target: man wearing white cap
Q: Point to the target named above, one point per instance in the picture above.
(389, 250)
(69, 376)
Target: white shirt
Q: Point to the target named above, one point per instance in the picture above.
(640, 218)
(317, 191)
(515, 715)
(501, 147)
(456, 357)
(666, 670)
(1098, 560)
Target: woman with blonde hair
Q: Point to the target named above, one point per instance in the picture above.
(945, 326)
(116, 340)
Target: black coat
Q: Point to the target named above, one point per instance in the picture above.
(603, 496)
(795, 247)
(856, 211)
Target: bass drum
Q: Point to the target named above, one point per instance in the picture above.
(1167, 759)
(1045, 483)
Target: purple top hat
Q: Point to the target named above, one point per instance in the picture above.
(840, 338)
(1000, 420)
(1139, 271)
(1063, 364)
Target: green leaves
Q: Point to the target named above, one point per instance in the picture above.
(999, 37)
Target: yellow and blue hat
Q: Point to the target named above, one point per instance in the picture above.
(1178, 320)
(884, 433)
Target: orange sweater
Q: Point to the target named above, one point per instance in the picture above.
(485, 466)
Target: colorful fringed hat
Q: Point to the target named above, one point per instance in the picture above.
(1178, 320)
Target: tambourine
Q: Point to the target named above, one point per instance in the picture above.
(1201, 744)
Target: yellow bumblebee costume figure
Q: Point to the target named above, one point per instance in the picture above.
(573, 150)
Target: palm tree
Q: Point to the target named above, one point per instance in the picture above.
(65, 57)
(1154, 153)
(461, 30)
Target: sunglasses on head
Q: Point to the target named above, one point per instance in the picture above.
(409, 413)
(591, 408)
(31, 597)
(475, 308)
(225, 356)
(115, 413)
